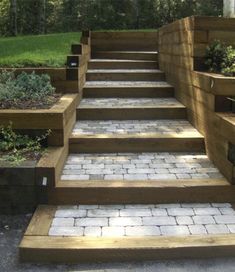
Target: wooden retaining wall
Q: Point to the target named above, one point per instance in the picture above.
(182, 47)
(80, 56)
(131, 40)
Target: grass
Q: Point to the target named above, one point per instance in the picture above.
(33, 51)
(40, 51)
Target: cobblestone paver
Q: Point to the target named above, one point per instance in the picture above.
(134, 127)
(143, 220)
(127, 83)
(139, 166)
(128, 102)
(114, 71)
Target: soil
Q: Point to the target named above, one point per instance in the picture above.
(46, 103)
(27, 156)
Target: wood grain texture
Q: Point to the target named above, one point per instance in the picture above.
(145, 142)
(41, 221)
(74, 250)
(199, 91)
(141, 192)
(134, 113)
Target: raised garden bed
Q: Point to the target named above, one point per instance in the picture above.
(221, 87)
(59, 118)
(24, 186)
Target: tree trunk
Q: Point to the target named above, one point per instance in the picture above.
(42, 17)
(137, 15)
(229, 8)
(13, 17)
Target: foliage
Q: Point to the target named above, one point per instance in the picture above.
(220, 58)
(34, 51)
(215, 56)
(16, 148)
(24, 86)
(229, 62)
(48, 16)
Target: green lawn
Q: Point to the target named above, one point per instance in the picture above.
(44, 50)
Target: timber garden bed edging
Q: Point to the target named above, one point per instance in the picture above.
(59, 118)
(24, 186)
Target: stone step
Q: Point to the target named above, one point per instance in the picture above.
(101, 233)
(122, 89)
(124, 74)
(130, 109)
(121, 64)
(139, 166)
(148, 177)
(127, 55)
(135, 136)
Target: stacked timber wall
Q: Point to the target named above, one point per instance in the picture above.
(25, 186)
(141, 41)
(182, 47)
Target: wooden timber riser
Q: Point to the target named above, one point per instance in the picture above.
(145, 143)
(141, 192)
(124, 55)
(132, 92)
(38, 246)
(99, 64)
(73, 250)
(136, 76)
(121, 40)
(131, 113)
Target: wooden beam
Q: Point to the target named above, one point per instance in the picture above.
(141, 192)
(41, 221)
(84, 249)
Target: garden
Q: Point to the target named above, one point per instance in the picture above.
(102, 64)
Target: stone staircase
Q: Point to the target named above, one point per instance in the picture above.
(137, 183)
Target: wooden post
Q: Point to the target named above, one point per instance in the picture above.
(229, 8)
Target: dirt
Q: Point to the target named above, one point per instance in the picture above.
(46, 103)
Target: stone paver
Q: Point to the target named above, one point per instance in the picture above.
(92, 231)
(128, 102)
(126, 83)
(135, 127)
(138, 166)
(66, 231)
(143, 220)
(114, 71)
(174, 230)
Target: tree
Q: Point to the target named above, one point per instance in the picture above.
(42, 16)
(13, 18)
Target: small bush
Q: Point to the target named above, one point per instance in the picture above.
(220, 58)
(16, 148)
(16, 90)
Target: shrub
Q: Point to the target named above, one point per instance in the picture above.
(25, 87)
(16, 148)
(220, 58)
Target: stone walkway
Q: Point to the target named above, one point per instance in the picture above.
(143, 220)
(128, 102)
(139, 166)
(134, 127)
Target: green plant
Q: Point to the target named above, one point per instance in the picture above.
(215, 56)
(26, 91)
(228, 67)
(25, 86)
(220, 58)
(16, 148)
